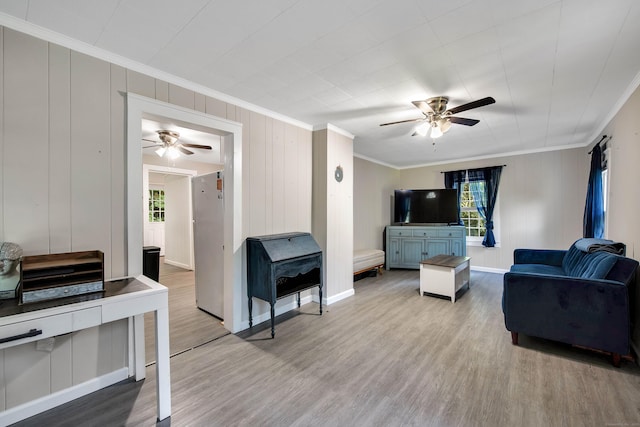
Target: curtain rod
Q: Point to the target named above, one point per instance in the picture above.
(601, 139)
(504, 166)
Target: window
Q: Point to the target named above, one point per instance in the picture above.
(605, 189)
(606, 161)
(473, 222)
(156, 205)
(484, 183)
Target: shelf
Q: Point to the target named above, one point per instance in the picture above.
(63, 262)
(59, 275)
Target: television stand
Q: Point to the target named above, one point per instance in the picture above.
(408, 245)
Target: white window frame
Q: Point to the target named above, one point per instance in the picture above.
(150, 199)
(606, 178)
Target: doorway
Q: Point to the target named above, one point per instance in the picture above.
(169, 224)
(168, 221)
(139, 107)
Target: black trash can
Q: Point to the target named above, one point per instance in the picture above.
(151, 262)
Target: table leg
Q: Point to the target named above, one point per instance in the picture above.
(273, 320)
(163, 376)
(138, 347)
(454, 280)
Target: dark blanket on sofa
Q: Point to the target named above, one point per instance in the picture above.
(600, 245)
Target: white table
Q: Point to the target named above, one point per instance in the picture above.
(444, 275)
(124, 298)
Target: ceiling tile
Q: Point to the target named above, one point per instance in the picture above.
(391, 18)
(472, 18)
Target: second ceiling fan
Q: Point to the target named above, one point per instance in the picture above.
(169, 144)
(438, 119)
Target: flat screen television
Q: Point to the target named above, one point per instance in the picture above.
(438, 206)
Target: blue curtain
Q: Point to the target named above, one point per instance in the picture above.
(593, 223)
(484, 186)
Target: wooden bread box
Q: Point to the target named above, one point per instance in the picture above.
(45, 277)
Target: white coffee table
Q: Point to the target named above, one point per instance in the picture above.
(444, 275)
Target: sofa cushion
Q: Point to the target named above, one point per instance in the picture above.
(538, 269)
(596, 265)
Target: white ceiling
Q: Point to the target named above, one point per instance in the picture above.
(558, 69)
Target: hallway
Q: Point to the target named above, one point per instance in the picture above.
(189, 326)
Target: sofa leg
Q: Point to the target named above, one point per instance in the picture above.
(615, 358)
(514, 338)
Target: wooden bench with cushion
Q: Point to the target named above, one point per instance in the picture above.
(368, 259)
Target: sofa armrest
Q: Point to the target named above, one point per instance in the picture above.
(588, 312)
(539, 256)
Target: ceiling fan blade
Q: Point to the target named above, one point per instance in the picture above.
(152, 141)
(150, 146)
(463, 121)
(404, 121)
(474, 104)
(184, 150)
(204, 147)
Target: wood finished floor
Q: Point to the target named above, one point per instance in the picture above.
(384, 357)
(188, 325)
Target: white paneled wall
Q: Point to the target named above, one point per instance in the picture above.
(25, 166)
(333, 210)
(63, 182)
(277, 166)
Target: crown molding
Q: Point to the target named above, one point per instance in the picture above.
(471, 159)
(631, 88)
(333, 128)
(372, 160)
(496, 156)
(50, 36)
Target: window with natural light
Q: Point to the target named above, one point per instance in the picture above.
(156, 205)
(473, 222)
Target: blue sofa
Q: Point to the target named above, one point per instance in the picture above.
(581, 296)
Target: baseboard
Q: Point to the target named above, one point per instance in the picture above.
(29, 409)
(338, 297)
(263, 317)
(177, 264)
(488, 269)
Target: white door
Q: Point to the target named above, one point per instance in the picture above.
(208, 235)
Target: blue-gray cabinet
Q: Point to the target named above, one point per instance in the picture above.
(406, 246)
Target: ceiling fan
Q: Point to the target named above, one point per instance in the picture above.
(438, 119)
(170, 146)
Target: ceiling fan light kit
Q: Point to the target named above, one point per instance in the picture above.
(436, 132)
(438, 119)
(171, 152)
